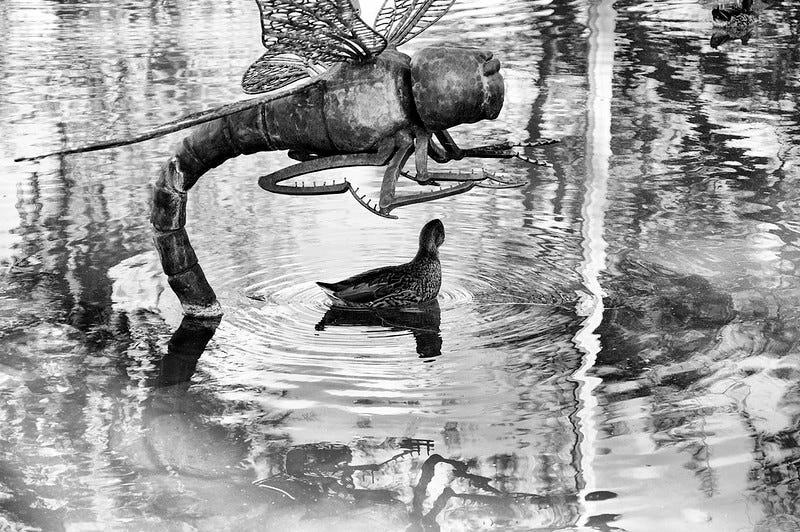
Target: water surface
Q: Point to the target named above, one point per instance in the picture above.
(615, 343)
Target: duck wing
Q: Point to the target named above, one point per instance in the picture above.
(369, 286)
(722, 16)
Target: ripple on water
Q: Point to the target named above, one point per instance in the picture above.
(380, 363)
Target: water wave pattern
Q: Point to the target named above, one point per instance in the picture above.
(696, 375)
(279, 330)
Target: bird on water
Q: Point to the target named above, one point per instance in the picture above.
(736, 22)
(414, 283)
(736, 19)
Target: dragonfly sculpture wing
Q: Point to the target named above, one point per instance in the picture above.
(401, 20)
(303, 37)
(273, 71)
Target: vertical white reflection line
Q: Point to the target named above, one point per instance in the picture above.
(598, 151)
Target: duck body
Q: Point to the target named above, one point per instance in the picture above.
(414, 283)
(735, 19)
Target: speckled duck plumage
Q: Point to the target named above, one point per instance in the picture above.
(414, 283)
(735, 19)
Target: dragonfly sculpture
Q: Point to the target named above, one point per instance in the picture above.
(354, 100)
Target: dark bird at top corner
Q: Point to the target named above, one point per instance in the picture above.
(413, 284)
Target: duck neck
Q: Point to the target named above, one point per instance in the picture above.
(426, 255)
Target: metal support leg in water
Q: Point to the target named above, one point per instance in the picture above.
(208, 146)
(178, 258)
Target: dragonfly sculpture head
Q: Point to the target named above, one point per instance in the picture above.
(455, 85)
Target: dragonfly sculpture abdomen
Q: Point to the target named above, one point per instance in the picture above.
(359, 102)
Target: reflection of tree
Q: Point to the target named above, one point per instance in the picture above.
(538, 262)
(710, 133)
(686, 113)
(80, 362)
(649, 314)
(673, 345)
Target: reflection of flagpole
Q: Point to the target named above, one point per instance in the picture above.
(598, 151)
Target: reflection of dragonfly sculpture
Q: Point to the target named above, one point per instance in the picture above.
(184, 349)
(360, 102)
(505, 504)
(312, 472)
(315, 470)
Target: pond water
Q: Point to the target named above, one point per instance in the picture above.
(616, 343)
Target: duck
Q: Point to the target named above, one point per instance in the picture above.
(412, 284)
(735, 19)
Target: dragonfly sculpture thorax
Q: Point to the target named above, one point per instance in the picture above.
(361, 104)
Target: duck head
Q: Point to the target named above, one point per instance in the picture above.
(431, 237)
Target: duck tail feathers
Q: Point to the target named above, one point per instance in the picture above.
(329, 288)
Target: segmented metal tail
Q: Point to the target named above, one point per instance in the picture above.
(180, 123)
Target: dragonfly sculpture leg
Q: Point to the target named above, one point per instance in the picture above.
(405, 145)
(450, 151)
(309, 164)
(394, 152)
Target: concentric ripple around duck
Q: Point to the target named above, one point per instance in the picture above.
(497, 302)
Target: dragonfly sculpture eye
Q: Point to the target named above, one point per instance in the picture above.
(334, 92)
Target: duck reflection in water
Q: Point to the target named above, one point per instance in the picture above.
(733, 21)
(424, 323)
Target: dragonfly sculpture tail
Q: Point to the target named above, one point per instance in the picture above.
(208, 146)
(178, 124)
